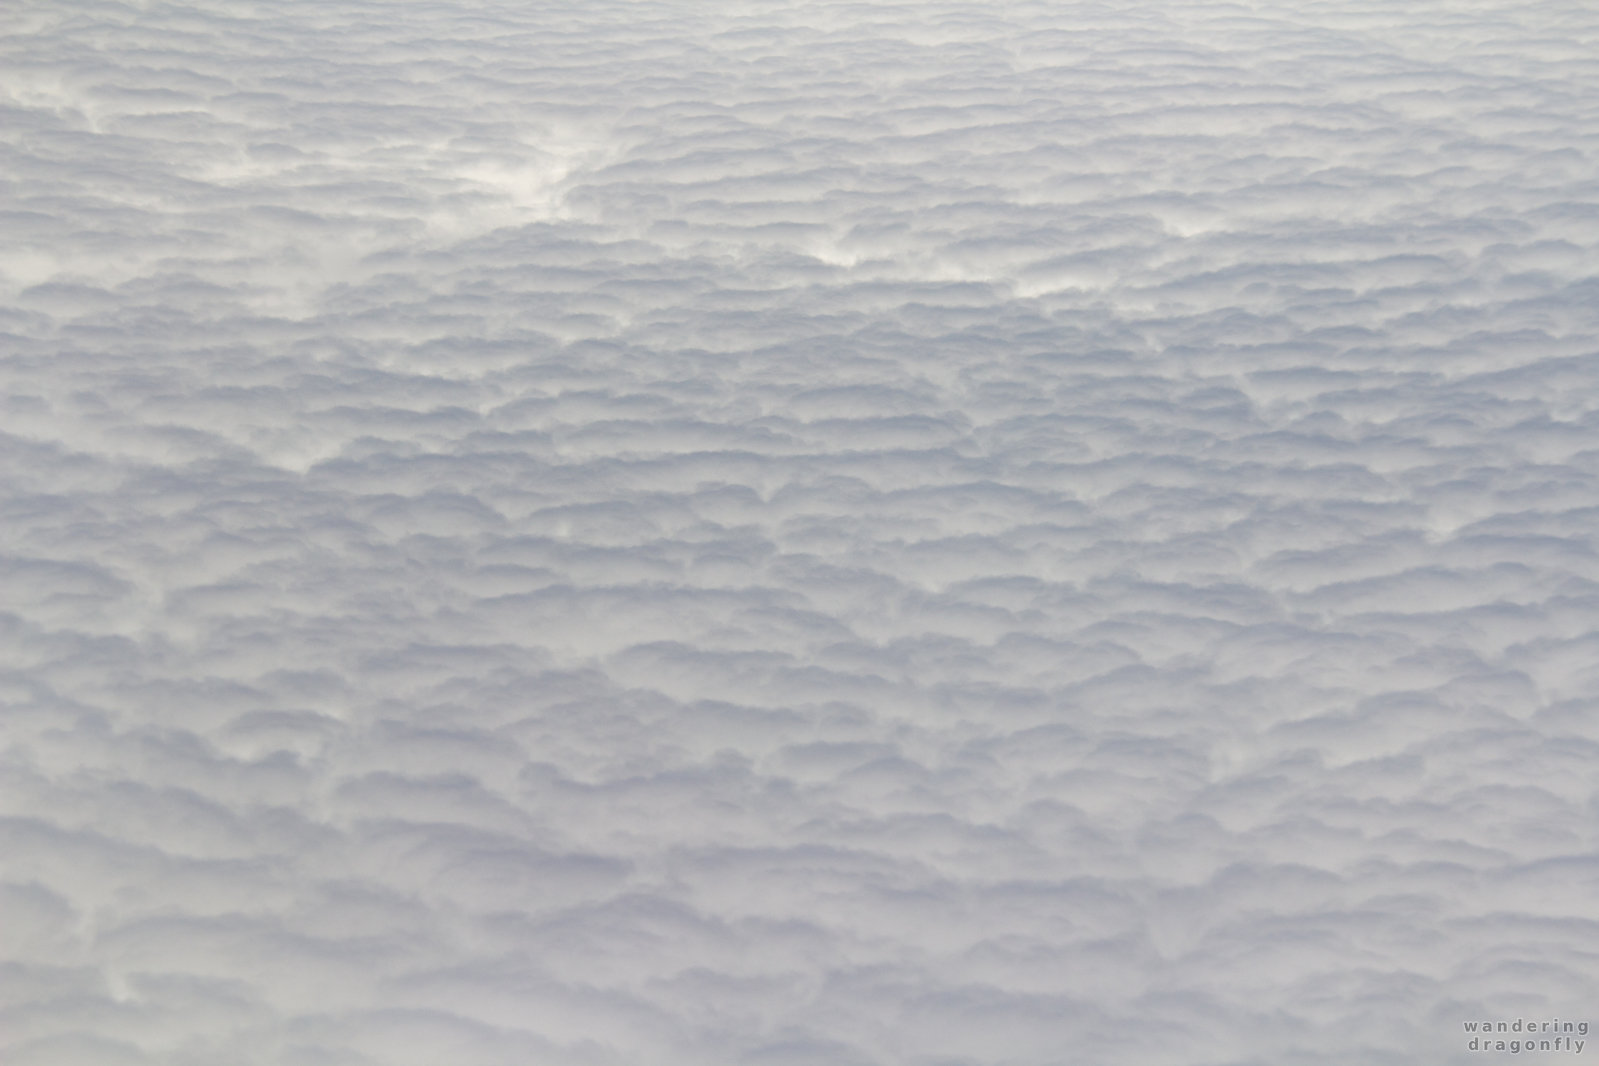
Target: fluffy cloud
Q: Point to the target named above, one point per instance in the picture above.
(794, 534)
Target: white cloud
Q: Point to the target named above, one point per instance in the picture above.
(831, 533)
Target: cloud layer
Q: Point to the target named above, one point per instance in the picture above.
(774, 534)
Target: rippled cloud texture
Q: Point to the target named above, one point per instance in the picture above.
(797, 534)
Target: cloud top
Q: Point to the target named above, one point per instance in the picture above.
(792, 534)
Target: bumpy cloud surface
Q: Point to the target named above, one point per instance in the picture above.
(783, 534)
